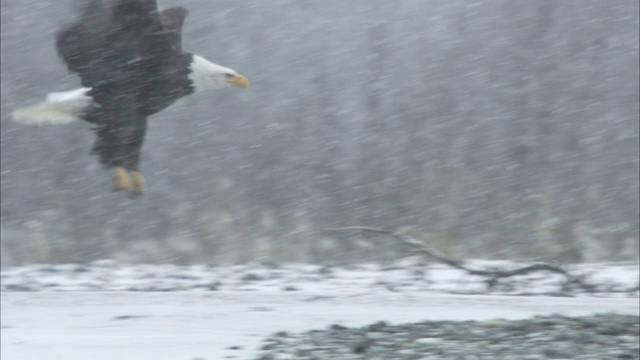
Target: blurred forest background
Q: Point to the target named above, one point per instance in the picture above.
(490, 129)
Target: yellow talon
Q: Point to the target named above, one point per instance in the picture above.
(121, 181)
(138, 185)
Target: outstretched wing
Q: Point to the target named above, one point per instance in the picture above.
(109, 37)
(172, 20)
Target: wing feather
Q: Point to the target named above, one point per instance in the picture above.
(172, 20)
(111, 35)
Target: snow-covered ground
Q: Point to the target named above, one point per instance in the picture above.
(107, 311)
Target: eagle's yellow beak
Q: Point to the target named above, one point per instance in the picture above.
(241, 82)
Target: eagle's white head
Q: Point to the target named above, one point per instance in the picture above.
(206, 75)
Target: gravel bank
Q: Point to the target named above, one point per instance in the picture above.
(598, 337)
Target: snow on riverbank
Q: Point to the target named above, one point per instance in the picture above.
(412, 274)
(107, 311)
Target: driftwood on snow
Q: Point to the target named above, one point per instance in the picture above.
(492, 276)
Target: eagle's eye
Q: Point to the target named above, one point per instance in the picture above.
(229, 76)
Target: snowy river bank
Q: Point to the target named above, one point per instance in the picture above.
(110, 311)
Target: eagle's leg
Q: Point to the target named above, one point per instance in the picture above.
(122, 181)
(130, 138)
(138, 184)
(118, 146)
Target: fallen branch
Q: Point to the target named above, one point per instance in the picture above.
(494, 276)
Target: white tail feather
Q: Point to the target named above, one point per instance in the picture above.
(60, 108)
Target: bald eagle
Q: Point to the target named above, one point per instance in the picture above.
(129, 58)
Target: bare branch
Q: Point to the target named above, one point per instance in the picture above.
(493, 275)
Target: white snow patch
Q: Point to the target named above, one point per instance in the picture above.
(200, 324)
